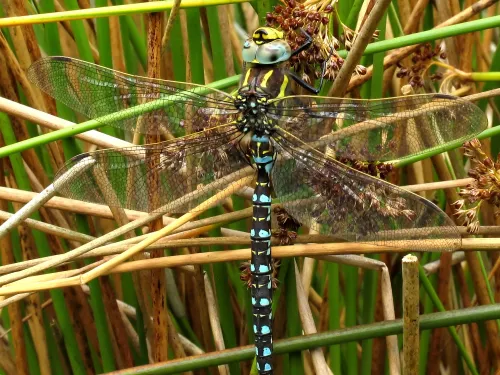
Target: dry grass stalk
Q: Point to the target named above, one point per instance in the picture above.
(411, 301)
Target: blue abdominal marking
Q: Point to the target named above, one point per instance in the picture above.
(263, 268)
(264, 233)
(269, 167)
(264, 302)
(263, 160)
(265, 199)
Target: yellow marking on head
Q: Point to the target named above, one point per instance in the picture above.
(266, 34)
(266, 152)
(245, 81)
(266, 78)
(283, 87)
(262, 218)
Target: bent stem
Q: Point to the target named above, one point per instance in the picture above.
(209, 203)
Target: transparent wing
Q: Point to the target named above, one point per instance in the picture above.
(172, 176)
(96, 91)
(336, 200)
(379, 130)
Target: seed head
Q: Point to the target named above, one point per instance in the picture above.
(484, 188)
(314, 17)
(421, 60)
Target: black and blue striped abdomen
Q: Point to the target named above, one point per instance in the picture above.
(261, 286)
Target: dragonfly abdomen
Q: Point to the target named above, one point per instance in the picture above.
(261, 268)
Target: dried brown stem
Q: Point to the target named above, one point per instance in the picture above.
(411, 301)
(401, 53)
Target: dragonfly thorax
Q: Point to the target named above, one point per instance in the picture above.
(252, 106)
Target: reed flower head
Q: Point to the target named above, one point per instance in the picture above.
(287, 227)
(375, 169)
(340, 199)
(313, 17)
(484, 188)
(421, 61)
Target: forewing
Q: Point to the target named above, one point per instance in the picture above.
(336, 200)
(187, 171)
(379, 130)
(96, 91)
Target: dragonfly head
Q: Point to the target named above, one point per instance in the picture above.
(266, 47)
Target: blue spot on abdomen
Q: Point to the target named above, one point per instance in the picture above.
(263, 268)
(265, 330)
(265, 199)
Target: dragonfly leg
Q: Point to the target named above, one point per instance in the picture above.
(304, 46)
(306, 85)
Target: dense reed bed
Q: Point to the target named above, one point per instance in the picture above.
(178, 305)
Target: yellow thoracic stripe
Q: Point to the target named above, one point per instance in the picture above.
(245, 82)
(266, 78)
(283, 87)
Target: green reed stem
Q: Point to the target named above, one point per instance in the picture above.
(488, 133)
(117, 10)
(451, 329)
(79, 33)
(430, 35)
(485, 76)
(44, 249)
(364, 332)
(335, 307)
(94, 124)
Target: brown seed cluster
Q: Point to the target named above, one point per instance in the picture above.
(287, 227)
(421, 60)
(312, 17)
(485, 188)
(349, 205)
(375, 169)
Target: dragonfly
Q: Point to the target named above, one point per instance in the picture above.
(291, 143)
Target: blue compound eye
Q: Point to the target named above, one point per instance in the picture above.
(273, 52)
(249, 50)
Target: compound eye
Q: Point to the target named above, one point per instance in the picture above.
(249, 51)
(273, 52)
